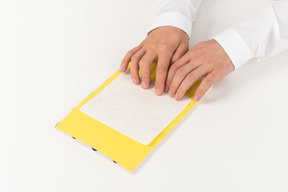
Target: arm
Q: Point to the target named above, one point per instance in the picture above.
(261, 36)
(176, 13)
(167, 41)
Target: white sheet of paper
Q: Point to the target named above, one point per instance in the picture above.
(133, 111)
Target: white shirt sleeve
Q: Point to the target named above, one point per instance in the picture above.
(261, 36)
(176, 13)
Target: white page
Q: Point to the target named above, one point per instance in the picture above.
(135, 112)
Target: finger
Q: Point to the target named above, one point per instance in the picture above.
(145, 63)
(179, 76)
(174, 68)
(204, 86)
(162, 70)
(127, 58)
(180, 51)
(134, 68)
(189, 80)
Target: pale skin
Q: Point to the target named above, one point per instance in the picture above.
(177, 68)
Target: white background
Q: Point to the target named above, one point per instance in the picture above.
(54, 53)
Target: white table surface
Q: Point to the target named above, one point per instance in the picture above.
(53, 54)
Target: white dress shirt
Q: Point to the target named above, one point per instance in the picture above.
(261, 36)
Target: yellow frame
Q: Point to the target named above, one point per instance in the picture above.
(122, 149)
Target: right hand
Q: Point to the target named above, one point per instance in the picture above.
(164, 44)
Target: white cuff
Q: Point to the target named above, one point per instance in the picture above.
(174, 19)
(235, 47)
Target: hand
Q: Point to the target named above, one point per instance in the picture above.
(207, 59)
(164, 44)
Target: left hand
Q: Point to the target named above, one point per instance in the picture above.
(208, 60)
(164, 44)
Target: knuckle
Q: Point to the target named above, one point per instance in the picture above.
(200, 91)
(164, 47)
(209, 65)
(191, 76)
(209, 79)
(134, 57)
(172, 87)
(208, 62)
(161, 69)
(168, 82)
(173, 68)
(199, 59)
(131, 51)
(181, 91)
(169, 79)
(143, 63)
(133, 76)
(191, 52)
(173, 60)
(152, 46)
(145, 79)
(181, 71)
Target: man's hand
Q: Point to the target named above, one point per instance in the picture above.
(164, 44)
(208, 60)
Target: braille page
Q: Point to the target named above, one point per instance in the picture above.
(135, 112)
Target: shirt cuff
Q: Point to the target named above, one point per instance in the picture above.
(235, 47)
(174, 19)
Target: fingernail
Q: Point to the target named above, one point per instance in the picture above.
(195, 98)
(134, 81)
(176, 96)
(157, 91)
(166, 88)
(170, 93)
(144, 84)
(120, 69)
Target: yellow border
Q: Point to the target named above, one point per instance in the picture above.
(125, 151)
